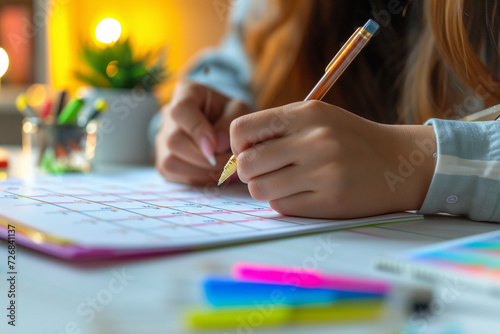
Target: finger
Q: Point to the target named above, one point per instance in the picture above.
(223, 142)
(175, 170)
(233, 110)
(304, 204)
(259, 126)
(196, 125)
(182, 146)
(279, 184)
(267, 157)
(193, 109)
(208, 100)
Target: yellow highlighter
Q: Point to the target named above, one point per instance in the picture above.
(333, 71)
(273, 315)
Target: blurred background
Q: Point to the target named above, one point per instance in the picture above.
(41, 42)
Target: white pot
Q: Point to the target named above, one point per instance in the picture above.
(122, 132)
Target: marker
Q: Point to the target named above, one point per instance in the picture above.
(59, 105)
(99, 107)
(47, 160)
(69, 114)
(4, 158)
(23, 106)
(346, 311)
(307, 279)
(46, 110)
(225, 291)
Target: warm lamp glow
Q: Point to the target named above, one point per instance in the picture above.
(37, 94)
(108, 31)
(112, 68)
(4, 62)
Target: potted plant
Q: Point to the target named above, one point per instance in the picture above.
(126, 82)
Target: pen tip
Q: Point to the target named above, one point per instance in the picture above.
(218, 184)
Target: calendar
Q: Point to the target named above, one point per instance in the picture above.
(138, 212)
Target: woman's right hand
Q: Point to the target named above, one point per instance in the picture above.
(192, 144)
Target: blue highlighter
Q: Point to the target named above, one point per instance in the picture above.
(226, 291)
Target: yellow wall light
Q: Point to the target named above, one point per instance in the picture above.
(108, 31)
(4, 62)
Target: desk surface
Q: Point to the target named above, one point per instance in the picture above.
(54, 296)
(154, 293)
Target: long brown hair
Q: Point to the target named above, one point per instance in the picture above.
(425, 60)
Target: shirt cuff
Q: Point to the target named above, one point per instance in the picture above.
(466, 180)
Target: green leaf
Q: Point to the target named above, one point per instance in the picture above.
(131, 72)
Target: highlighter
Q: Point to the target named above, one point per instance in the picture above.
(69, 114)
(225, 291)
(273, 315)
(308, 279)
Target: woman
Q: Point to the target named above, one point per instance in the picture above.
(433, 59)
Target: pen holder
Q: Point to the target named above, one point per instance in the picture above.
(57, 149)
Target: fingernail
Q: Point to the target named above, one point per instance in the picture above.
(207, 150)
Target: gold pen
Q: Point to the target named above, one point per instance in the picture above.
(333, 71)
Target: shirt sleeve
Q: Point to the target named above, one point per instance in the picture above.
(466, 180)
(229, 65)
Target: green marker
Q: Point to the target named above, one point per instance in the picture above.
(49, 163)
(69, 114)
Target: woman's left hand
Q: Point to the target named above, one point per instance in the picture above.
(313, 159)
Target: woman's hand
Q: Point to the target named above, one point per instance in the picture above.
(193, 141)
(316, 160)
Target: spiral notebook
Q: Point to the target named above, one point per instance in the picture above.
(86, 216)
(472, 262)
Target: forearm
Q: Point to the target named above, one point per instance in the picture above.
(411, 149)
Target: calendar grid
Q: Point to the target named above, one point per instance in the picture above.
(140, 211)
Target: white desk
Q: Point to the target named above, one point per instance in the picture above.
(161, 289)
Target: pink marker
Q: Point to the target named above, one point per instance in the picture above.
(46, 109)
(306, 278)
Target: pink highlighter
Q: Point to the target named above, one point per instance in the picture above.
(306, 278)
